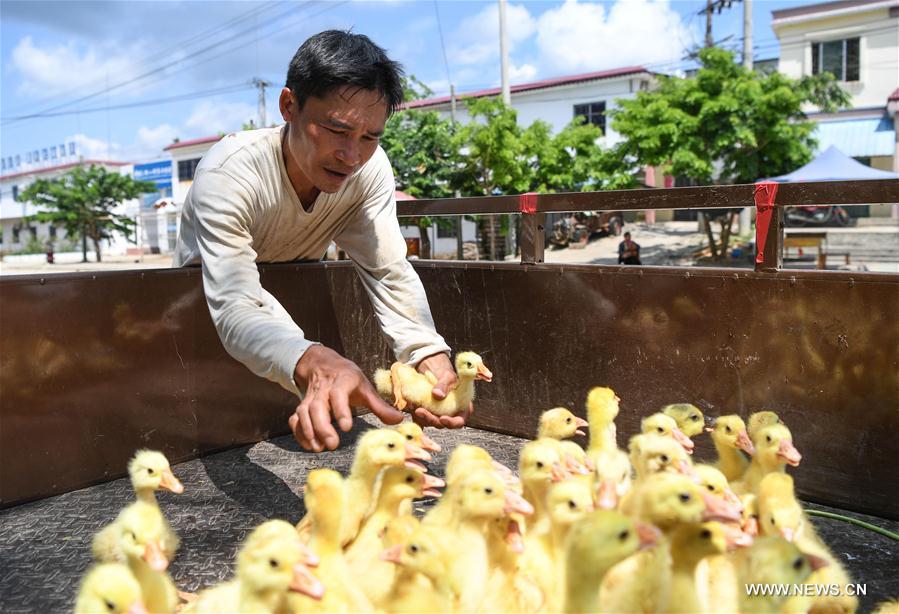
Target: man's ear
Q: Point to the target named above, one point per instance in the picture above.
(287, 104)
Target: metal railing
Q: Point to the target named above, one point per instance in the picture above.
(534, 207)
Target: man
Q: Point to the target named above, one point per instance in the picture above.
(283, 194)
(628, 251)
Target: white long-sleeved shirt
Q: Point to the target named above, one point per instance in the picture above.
(242, 209)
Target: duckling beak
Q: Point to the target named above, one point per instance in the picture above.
(751, 526)
(735, 537)
(683, 440)
(816, 561)
(788, 534)
(513, 536)
(788, 453)
(392, 555)
(580, 423)
(500, 468)
(310, 559)
(744, 443)
(484, 373)
(607, 498)
(515, 503)
(732, 497)
(709, 429)
(558, 473)
(576, 466)
(137, 607)
(170, 482)
(415, 454)
(430, 486)
(719, 510)
(429, 444)
(686, 469)
(648, 535)
(304, 582)
(154, 557)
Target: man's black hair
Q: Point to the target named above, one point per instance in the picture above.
(335, 58)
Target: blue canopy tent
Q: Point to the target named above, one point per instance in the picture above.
(834, 165)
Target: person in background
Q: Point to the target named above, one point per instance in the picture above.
(628, 251)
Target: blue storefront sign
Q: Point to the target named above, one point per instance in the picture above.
(159, 173)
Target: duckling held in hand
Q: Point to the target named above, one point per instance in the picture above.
(272, 563)
(560, 423)
(149, 471)
(688, 417)
(408, 386)
(109, 588)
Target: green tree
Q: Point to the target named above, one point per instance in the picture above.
(726, 125)
(82, 202)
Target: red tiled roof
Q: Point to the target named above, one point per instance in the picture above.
(400, 195)
(200, 141)
(894, 95)
(535, 85)
(58, 167)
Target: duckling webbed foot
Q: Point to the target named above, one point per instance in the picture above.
(398, 400)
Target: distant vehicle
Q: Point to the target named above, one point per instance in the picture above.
(576, 229)
(825, 215)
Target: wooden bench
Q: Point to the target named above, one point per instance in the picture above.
(818, 240)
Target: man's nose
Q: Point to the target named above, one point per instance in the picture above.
(349, 153)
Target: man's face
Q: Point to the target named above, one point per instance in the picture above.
(332, 137)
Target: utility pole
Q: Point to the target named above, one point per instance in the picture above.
(504, 54)
(261, 84)
(709, 7)
(747, 34)
(460, 247)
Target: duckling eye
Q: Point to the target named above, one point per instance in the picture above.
(727, 428)
(567, 420)
(571, 504)
(539, 464)
(797, 564)
(710, 487)
(150, 470)
(694, 417)
(772, 520)
(685, 497)
(468, 365)
(488, 490)
(391, 445)
(664, 458)
(624, 535)
(409, 479)
(768, 438)
(413, 549)
(706, 534)
(409, 437)
(272, 563)
(660, 429)
(109, 605)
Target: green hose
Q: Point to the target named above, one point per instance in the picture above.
(854, 521)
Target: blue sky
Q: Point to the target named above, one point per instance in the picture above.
(61, 57)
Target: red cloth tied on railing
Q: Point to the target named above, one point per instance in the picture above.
(765, 193)
(527, 203)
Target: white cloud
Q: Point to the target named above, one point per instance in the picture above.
(97, 149)
(156, 138)
(523, 73)
(477, 37)
(584, 37)
(210, 118)
(61, 68)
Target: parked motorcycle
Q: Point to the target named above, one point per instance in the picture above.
(825, 215)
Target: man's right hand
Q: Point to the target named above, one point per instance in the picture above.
(333, 384)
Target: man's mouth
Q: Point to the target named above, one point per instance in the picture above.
(337, 174)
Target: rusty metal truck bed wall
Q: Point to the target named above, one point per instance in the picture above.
(94, 367)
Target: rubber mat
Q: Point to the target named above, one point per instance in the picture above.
(45, 546)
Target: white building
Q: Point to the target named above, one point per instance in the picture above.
(16, 233)
(858, 41)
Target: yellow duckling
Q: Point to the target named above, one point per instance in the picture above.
(535, 466)
(665, 426)
(779, 512)
(415, 435)
(272, 563)
(760, 420)
(142, 541)
(651, 454)
(149, 471)
(324, 498)
(407, 385)
(771, 561)
(595, 544)
(774, 450)
(109, 587)
(602, 409)
(560, 423)
(375, 450)
(716, 484)
(424, 554)
(690, 544)
(398, 485)
(730, 437)
(688, 417)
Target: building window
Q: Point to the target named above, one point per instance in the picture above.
(15, 233)
(187, 168)
(446, 228)
(837, 57)
(52, 229)
(33, 231)
(593, 112)
(15, 192)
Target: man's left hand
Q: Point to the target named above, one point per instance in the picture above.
(442, 368)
